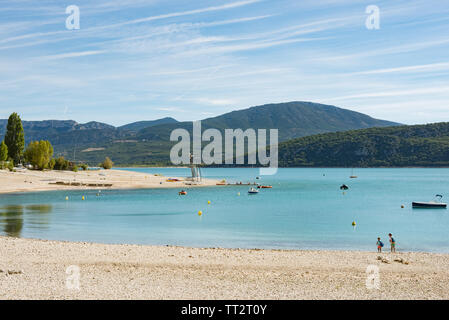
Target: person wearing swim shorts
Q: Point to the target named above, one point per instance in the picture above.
(379, 245)
(392, 243)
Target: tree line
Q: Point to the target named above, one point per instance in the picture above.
(39, 154)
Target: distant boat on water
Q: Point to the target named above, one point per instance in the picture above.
(436, 204)
(253, 191)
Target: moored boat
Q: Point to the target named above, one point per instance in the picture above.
(430, 204)
(353, 176)
(436, 204)
(253, 191)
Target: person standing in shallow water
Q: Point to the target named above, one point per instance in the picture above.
(392, 243)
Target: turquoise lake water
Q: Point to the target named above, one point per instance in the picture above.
(304, 210)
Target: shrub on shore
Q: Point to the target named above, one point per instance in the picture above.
(7, 165)
(62, 164)
(107, 164)
(51, 164)
(39, 154)
(3, 152)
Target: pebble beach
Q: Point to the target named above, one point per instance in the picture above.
(41, 269)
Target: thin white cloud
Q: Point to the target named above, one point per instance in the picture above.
(153, 18)
(215, 102)
(71, 55)
(227, 6)
(419, 91)
(31, 35)
(231, 21)
(416, 68)
(386, 51)
(247, 46)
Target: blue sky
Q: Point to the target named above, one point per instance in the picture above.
(142, 60)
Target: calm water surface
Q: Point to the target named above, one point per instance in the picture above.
(304, 210)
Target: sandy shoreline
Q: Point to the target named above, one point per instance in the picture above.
(33, 181)
(36, 269)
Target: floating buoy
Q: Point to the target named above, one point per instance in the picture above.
(83, 198)
(200, 213)
(67, 198)
(402, 206)
(238, 193)
(353, 223)
(208, 202)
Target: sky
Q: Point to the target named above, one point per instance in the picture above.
(143, 60)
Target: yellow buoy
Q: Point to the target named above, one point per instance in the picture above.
(83, 198)
(353, 223)
(208, 202)
(200, 213)
(67, 198)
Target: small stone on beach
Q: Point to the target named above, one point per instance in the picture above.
(14, 272)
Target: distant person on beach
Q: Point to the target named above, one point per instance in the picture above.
(392, 243)
(379, 245)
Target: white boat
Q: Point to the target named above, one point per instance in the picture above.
(253, 191)
(437, 204)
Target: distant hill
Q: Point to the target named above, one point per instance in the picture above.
(69, 133)
(293, 119)
(51, 129)
(419, 145)
(136, 126)
(297, 119)
(147, 142)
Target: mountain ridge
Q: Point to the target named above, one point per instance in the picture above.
(148, 142)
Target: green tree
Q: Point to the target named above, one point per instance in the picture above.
(61, 164)
(51, 164)
(39, 154)
(3, 151)
(107, 163)
(15, 138)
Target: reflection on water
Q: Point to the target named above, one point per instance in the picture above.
(11, 220)
(12, 217)
(40, 208)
